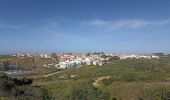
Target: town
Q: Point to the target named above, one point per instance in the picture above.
(84, 50)
(73, 60)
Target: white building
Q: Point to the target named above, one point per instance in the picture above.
(94, 63)
(100, 64)
(88, 62)
(63, 65)
(153, 56)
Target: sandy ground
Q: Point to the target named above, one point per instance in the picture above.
(98, 79)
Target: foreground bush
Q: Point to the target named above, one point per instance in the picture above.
(159, 93)
(20, 89)
(88, 92)
(23, 81)
(109, 81)
(76, 90)
(6, 83)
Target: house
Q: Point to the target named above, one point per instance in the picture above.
(94, 63)
(153, 56)
(63, 65)
(88, 62)
(100, 64)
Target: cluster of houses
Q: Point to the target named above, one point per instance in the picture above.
(31, 55)
(76, 60)
(137, 56)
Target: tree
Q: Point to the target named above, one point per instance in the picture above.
(88, 54)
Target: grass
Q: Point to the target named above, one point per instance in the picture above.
(134, 90)
(127, 70)
(75, 90)
(62, 88)
(159, 93)
(131, 79)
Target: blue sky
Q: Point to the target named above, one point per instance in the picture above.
(117, 26)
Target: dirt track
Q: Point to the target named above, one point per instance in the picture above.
(98, 79)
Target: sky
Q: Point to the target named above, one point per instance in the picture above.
(113, 26)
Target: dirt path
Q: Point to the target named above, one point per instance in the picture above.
(54, 73)
(98, 79)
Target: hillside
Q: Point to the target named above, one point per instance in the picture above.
(35, 64)
(130, 79)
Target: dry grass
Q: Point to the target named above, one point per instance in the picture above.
(133, 90)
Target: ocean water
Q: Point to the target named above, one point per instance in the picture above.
(16, 71)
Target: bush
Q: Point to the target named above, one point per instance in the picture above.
(6, 83)
(159, 93)
(46, 94)
(130, 77)
(3, 75)
(23, 81)
(108, 81)
(88, 92)
(18, 89)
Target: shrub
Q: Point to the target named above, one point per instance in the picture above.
(23, 81)
(159, 93)
(46, 95)
(109, 81)
(6, 83)
(88, 92)
(130, 78)
(19, 89)
(3, 75)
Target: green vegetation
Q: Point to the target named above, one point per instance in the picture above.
(128, 70)
(114, 58)
(8, 83)
(109, 81)
(56, 59)
(129, 79)
(76, 90)
(20, 89)
(88, 92)
(161, 93)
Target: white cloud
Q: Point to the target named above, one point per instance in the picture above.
(121, 24)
